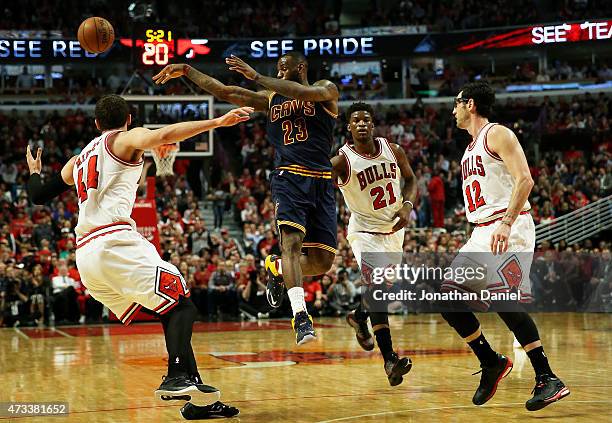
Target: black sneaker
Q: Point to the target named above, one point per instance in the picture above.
(548, 389)
(275, 287)
(396, 368)
(218, 409)
(304, 330)
(490, 379)
(183, 388)
(362, 332)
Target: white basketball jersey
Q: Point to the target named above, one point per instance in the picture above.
(372, 191)
(106, 186)
(487, 183)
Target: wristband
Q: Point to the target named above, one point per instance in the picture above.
(409, 202)
(505, 222)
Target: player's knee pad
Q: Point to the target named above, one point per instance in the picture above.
(522, 325)
(465, 323)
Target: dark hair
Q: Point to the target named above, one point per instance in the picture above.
(357, 107)
(297, 57)
(482, 94)
(111, 112)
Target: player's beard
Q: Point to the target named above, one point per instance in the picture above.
(294, 76)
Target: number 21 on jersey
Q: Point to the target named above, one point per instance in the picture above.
(92, 178)
(378, 196)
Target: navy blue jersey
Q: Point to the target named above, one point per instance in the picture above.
(302, 135)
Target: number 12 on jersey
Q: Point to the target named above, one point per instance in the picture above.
(472, 206)
(92, 178)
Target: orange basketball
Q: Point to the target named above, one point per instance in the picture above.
(96, 35)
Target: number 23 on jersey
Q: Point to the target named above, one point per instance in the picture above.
(91, 181)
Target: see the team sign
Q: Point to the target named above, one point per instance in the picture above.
(571, 32)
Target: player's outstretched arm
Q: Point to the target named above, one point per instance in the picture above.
(229, 93)
(40, 193)
(409, 191)
(147, 139)
(323, 90)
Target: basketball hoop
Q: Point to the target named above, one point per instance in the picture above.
(164, 157)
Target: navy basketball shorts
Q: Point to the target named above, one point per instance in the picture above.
(307, 204)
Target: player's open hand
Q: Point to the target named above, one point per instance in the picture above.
(235, 116)
(240, 66)
(404, 217)
(499, 239)
(170, 72)
(35, 164)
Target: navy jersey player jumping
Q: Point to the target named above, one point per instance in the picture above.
(300, 122)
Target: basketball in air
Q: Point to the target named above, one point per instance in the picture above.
(96, 35)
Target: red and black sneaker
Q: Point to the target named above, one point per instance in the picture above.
(490, 378)
(362, 332)
(548, 389)
(396, 368)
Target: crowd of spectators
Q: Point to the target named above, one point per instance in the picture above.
(39, 282)
(447, 15)
(252, 18)
(219, 19)
(82, 87)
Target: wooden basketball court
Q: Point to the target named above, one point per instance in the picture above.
(108, 373)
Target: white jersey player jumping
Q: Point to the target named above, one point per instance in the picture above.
(496, 185)
(369, 172)
(118, 266)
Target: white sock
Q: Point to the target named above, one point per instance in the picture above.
(296, 296)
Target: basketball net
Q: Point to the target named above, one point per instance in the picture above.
(164, 157)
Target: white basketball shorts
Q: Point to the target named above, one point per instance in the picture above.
(505, 272)
(376, 250)
(124, 271)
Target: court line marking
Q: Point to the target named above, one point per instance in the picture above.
(61, 332)
(451, 407)
(21, 333)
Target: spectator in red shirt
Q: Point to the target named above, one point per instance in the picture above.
(266, 244)
(313, 296)
(19, 223)
(246, 180)
(437, 197)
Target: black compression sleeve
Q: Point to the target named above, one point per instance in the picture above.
(40, 193)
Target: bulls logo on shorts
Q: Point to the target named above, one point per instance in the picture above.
(511, 272)
(169, 285)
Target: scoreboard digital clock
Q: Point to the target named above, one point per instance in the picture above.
(158, 46)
